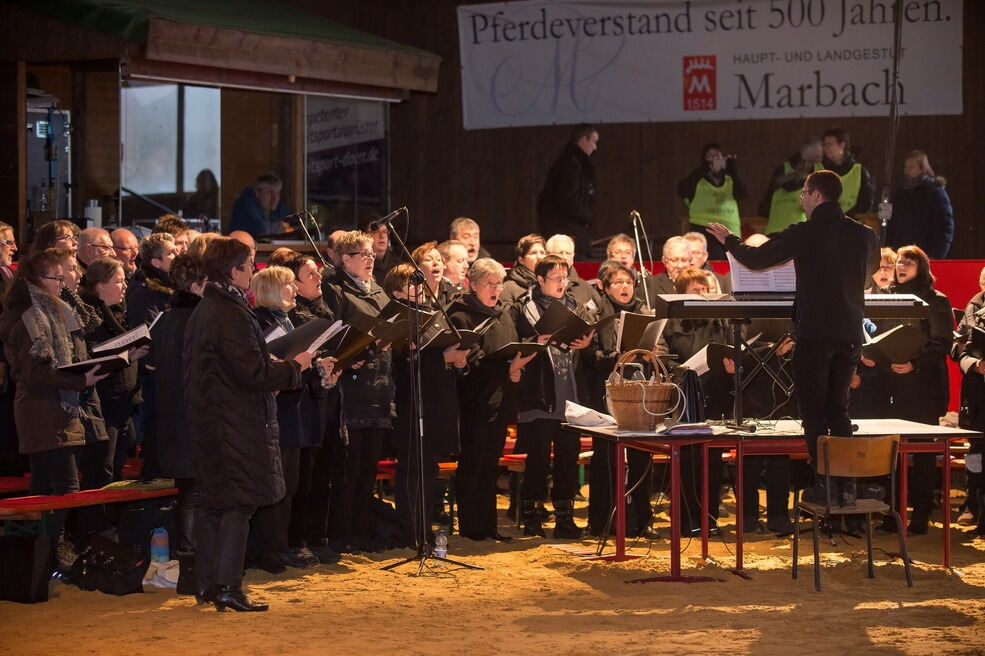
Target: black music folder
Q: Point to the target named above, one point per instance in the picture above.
(638, 331)
(466, 339)
(107, 364)
(509, 350)
(897, 345)
(306, 337)
(976, 342)
(131, 339)
(564, 326)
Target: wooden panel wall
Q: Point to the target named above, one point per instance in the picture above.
(13, 167)
(440, 171)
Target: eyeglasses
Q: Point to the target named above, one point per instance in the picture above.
(8, 242)
(621, 283)
(367, 254)
(905, 263)
(126, 249)
(69, 238)
(556, 279)
(679, 260)
(60, 279)
(491, 285)
(888, 267)
(622, 253)
(102, 247)
(806, 192)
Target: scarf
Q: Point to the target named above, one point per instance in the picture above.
(234, 291)
(87, 315)
(50, 323)
(473, 301)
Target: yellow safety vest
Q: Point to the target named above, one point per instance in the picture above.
(713, 204)
(785, 209)
(851, 183)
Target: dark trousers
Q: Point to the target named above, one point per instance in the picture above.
(220, 540)
(475, 480)
(124, 442)
(407, 484)
(777, 485)
(188, 506)
(147, 416)
(602, 487)
(922, 480)
(270, 523)
(307, 509)
(539, 435)
(691, 484)
(352, 485)
(315, 530)
(95, 461)
(822, 374)
(54, 472)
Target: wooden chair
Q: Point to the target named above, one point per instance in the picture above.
(853, 457)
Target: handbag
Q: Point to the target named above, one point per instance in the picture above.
(109, 567)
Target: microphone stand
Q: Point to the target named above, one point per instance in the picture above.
(307, 234)
(425, 551)
(637, 222)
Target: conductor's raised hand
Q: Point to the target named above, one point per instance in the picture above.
(718, 231)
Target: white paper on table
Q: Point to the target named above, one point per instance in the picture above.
(579, 415)
(781, 278)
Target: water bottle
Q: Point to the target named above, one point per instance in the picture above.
(159, 551)
(441, 544)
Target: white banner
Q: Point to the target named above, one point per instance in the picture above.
(571, 61)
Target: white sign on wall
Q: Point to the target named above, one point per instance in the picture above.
(571, 61)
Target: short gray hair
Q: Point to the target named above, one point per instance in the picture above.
(676, 242)
(460, 224)
(555, 241)
(484, 267)
(695, 238)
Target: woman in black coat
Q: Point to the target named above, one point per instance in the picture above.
(921, 213)
(486, 397)
(618, 283)
(530, 250)
(119, 394)
(548, 382)
(174, 446)
(274, 294)
(232, 421)
(919, 387)
(367, 397)
(440, 369)
(319, 411)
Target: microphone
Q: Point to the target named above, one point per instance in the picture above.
(635, 216)
(379, 223)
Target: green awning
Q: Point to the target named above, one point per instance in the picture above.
(261, 36)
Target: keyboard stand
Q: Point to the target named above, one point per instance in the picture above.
(741, 381)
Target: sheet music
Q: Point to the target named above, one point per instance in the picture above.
(276, 333)
(699, 361)
(154, 320)
(325, 336)
(781, 278)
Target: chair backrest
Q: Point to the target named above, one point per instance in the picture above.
(857, 456)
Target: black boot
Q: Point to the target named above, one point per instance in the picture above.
(531, 519)
(564, 521)
(186, 573)
(229, 597)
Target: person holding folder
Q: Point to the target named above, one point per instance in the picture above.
(548, 383)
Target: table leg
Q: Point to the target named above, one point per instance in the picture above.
(903, 477)
(739, 506)
(620, 501)
(704, 500)
(946, 503)
(675, 511)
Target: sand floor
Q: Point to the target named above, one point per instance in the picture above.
(533, 598)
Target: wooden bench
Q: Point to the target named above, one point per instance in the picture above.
(32, 507)
(14, 484)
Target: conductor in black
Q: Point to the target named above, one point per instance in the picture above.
(834, 256)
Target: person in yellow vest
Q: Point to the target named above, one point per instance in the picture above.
(781, 204)
(856, 181)
(711, 193)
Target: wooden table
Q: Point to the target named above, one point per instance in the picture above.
(784, 437)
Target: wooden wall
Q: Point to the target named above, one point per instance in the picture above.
(440, 171)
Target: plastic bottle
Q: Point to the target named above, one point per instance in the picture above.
(159, 551)
(441, 544)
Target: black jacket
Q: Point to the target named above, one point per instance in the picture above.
(147, 293)
(834, 257)
(230, 407)
(519, 280)
(367, 392)
(167, 358)
(119, 392)
(486, 393)
(568, 196)
(922, 215)
(602, 354)
(687, 186)
(288, 400)
(317, 403)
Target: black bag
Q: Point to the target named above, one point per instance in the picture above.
(139, 519)
(694, 397)
(25, 565)
(971, 414)
(109, 567)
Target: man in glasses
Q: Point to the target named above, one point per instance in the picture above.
(828, 308)
(94, 243)
(125, 249)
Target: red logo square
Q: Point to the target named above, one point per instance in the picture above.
(700, 89)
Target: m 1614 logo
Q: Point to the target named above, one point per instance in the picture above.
(700, 90)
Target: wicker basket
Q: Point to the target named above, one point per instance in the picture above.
(641, 405)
